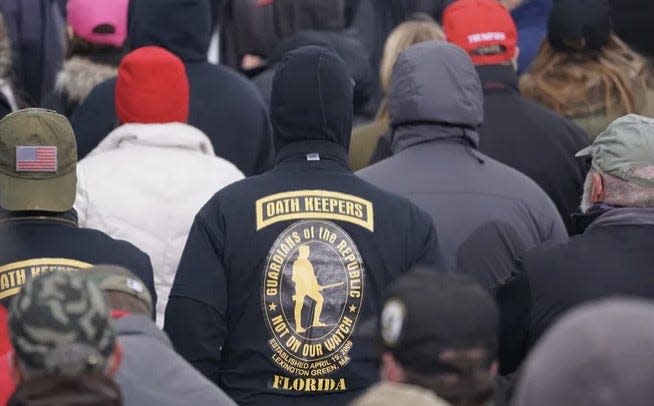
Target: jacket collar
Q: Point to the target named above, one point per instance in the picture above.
(69, 218)
(602, 215)
(169, 135)
(139, 325)
(409, 135)
(625, 216)
(313, 151)
(498, 78)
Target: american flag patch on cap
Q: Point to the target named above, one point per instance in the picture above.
(36, 159)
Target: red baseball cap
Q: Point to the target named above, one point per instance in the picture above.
(476, 24)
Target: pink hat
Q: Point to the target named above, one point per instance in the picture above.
(85, 16)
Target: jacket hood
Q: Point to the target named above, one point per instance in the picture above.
(181, 26)
(348, 47)
(436, 83)
(168, 135)
(311, 98)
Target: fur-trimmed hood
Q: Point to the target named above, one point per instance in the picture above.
(80, 75)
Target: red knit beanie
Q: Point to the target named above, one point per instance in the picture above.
(152, 87)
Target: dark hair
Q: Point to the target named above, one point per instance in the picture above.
(79, 46)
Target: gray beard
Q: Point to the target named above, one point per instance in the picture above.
(586, 204)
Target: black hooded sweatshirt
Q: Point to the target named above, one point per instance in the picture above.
(280, 269)
(223, 104)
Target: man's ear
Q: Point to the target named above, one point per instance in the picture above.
(391, 370)
(115, 359)
(597, 194)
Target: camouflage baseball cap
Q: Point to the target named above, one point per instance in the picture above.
(59, 324)
(117, 278)
(626, 145)
(38, 156)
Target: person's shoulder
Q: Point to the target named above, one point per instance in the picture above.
(553, 258)
(98, 240)
(234, 194)
(229, 80)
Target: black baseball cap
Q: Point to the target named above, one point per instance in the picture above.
(429, 312)
(579, 25)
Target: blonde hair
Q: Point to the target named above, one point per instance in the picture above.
(412, 32)
(578, 85)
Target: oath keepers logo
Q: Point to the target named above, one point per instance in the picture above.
(312, 295)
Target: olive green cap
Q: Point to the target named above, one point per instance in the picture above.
(119, 279)
(38, 157)
(626, 145)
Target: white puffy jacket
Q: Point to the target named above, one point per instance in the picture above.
(144, 183)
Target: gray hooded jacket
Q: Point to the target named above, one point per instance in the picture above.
(436, 107)
(152, 373)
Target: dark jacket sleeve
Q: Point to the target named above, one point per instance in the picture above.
(514, 300)
(196, 312)
(423, 242)
(94, 118)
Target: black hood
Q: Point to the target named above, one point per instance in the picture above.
(312, 98)
(348, 47)
(181, 26)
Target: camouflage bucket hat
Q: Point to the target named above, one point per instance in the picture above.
(38, 156)
(119, 279)
(59, 324)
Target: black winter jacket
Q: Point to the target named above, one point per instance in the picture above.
(36, 242)
(532, 139)
(613, 256)
(280, 269)
(223, 104)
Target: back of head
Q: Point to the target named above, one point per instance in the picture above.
(123, 290)
(350, 49)
(583, 68)
(402, 37)
(182, 27)
(152, 87)
(599, 354)
(579, 25)
(38, 158)
(623, 155)
(443, 330)
(59, 325)
(311, 98)
(483, 28)
(99, 22)
(435, 82)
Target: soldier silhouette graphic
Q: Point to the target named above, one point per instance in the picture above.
(306, 284)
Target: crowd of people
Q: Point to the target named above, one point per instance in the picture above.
(326, 202)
